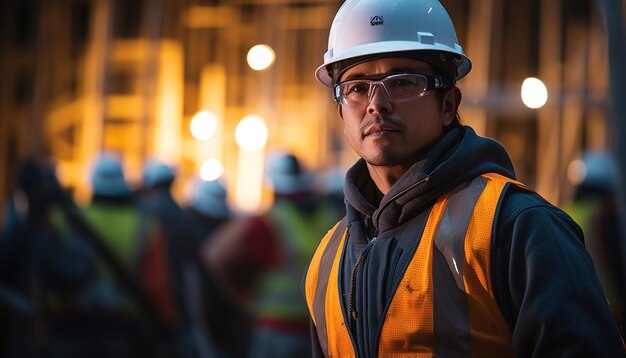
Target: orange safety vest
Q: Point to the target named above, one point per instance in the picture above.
(439, 308)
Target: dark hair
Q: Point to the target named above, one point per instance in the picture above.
(440, 93)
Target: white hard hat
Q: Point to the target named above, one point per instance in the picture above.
(156, 172)
(596, 169)
(287, 175)
(107, 177)
(332, 181)
(373, 27)
(209, 198)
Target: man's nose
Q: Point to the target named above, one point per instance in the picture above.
(378, 99)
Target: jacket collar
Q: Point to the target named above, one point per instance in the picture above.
(458, 156)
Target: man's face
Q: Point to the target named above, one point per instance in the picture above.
(385, 132)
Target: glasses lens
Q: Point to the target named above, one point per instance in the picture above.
(354, 92)
(405, 86)
(398, 87)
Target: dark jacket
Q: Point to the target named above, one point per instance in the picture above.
(544, 280)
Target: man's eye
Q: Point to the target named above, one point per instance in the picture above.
(401, 82)
(360, 87)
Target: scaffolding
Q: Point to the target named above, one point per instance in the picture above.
(83, 76)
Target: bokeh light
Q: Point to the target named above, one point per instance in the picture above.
(261, 57)
(534, 93)
(251, 133)
(203, 125)
(211, 169)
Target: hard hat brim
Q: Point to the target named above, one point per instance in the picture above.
(389, 47)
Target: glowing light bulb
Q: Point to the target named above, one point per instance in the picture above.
(203, 125)
(534, 93)
(251, 133)
(211, 169)
(261, 57)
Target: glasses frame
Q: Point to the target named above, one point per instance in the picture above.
(433, 82)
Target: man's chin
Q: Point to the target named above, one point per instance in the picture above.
(382, 159)
(387, 158)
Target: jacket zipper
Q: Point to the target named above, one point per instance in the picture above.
(353, 312)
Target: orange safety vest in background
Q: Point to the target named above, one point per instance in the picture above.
(466, 316)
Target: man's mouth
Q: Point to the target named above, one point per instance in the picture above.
(377, 130)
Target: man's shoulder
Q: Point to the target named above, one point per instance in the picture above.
(518, 202)
(517, 198)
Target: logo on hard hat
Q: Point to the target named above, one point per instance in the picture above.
(376, 20)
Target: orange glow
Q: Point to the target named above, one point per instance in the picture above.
(167, 131)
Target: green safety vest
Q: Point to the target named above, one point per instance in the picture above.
(297, 236)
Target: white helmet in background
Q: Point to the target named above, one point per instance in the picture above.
(287, 175)
(594, 169)
(107, 176)
(375, 27)
(156, 172)
(209, 198)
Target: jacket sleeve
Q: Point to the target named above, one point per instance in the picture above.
(546, 284)
(316, 349)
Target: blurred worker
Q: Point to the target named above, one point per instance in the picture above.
(208, 206)
(442, 252)
(113, 322)
(296, 221)
(332, 190)
(164, 251)
(170, 266)
(228, 326)
(595, 209)
(37, 264)
(269, 255)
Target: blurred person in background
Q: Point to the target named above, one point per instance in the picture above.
(258, 261)
(119, 318)
(170, 267)
(331, 188)
(442, 252)
(228, 326)
(595, 208)
(208, 206)
(40, 270)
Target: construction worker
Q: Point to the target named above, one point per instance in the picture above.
(41, 269)
(170, 265)
(115, 323)
(258, 261)
(442, 251)
(595, 208)
(208, 205)
(226, 327)
(297, 220)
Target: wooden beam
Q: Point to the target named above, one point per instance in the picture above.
(549, 117)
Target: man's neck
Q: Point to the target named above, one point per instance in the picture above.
(385, 177)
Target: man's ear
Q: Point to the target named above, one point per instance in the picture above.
(450, 105)
(339, 111)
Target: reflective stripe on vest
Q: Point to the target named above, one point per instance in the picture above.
(446, 288)
(325, 264)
